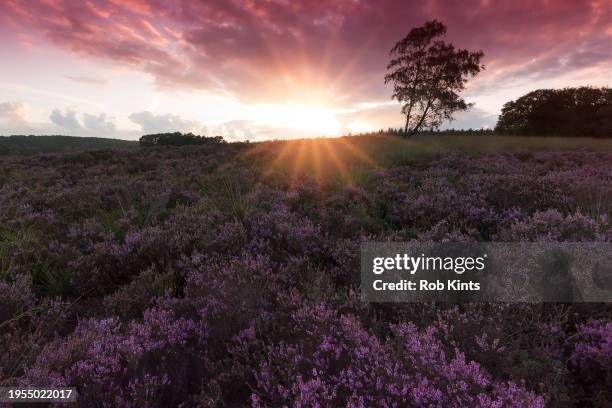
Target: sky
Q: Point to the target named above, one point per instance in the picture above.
(272, 69)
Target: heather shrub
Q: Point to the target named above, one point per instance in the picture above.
(281, 231)
(590, 360)
(131, 300)
(31, 327)
(515, 190)
(551, 225)
(348, 213)
(487, 333)
(223, 275)
(444, 232)
(17, 298)
(141, 364)
(346, 261)
(331, 360)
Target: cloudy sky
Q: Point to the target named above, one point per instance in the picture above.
(263, 69)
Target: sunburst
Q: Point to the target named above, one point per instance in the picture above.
(320, 159)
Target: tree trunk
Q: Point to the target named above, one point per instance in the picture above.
(408, 118)
(418, 125)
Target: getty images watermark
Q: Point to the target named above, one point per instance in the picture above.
(486, 272)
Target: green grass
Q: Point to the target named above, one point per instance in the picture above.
(10, 240)
(351, 160)
(228, 193)
(397, 151)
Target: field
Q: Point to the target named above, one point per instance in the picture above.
(228, 275)
(326, 157)
(31, 145)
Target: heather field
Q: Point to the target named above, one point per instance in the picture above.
(228, 274)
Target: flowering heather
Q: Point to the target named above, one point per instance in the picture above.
(228, 275)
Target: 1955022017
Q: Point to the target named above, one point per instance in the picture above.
(37, 394)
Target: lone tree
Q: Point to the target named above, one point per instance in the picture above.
(427, 75)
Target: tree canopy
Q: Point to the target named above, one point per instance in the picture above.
(427, 75)
(584, 111)
(177, 139)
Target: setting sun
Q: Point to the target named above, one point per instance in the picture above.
(267, 70)
(315, 120)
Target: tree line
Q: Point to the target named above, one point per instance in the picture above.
(583, 111)
(178, 139)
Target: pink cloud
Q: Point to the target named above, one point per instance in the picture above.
(331, 49)
(13, 111)
(87, 80)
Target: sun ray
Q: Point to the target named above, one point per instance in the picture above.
(298, 164)
(337, 163)
(283, 152)
(315, 158)
(355, 151)
(355, 59)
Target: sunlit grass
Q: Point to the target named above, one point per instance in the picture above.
(351, 160)
(10, 241)
(227, 193)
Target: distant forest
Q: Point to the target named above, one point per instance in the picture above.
(584, 111)
(178, 139)
(58, 144)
